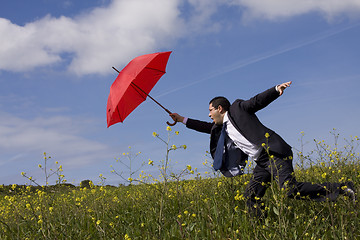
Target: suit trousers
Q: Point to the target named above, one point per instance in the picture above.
(281, 170)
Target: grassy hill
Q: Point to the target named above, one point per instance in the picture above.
(173, 208)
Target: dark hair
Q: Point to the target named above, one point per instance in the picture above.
(217, 101)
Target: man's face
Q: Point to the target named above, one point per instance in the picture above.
(216, 115)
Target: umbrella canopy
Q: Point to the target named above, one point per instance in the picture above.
(133, 84)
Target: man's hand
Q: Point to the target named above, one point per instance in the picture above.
(176, 117)
(282, 87)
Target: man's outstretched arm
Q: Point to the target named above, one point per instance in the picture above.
(262, 99)
(197, 125)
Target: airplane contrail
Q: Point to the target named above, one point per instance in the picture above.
(264, 56)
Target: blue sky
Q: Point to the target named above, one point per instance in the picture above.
(55, 76)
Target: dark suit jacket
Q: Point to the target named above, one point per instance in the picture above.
(242, 116)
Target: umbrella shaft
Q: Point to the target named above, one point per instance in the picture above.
(151, 97)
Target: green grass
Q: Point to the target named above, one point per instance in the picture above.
(201, 208)
(188, 209)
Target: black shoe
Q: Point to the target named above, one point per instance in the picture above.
(348, 190)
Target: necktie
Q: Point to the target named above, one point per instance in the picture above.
(220, 149)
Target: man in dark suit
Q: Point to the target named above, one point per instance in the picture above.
(237, 133)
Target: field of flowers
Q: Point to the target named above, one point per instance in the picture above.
(172, 207)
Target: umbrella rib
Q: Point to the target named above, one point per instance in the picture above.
(137, 89)
(117, 107)
(155, 69)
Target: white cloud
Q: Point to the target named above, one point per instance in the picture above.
(95, 40)
(108, 36)
(282, 9)
(59, 135)
(201, 12)
(20, 49)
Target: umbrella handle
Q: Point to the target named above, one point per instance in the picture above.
(171, 124)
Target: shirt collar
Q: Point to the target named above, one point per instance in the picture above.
(226, 118)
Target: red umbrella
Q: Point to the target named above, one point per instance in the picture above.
(133, 84)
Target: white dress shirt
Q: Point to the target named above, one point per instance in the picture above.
(240, 141)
